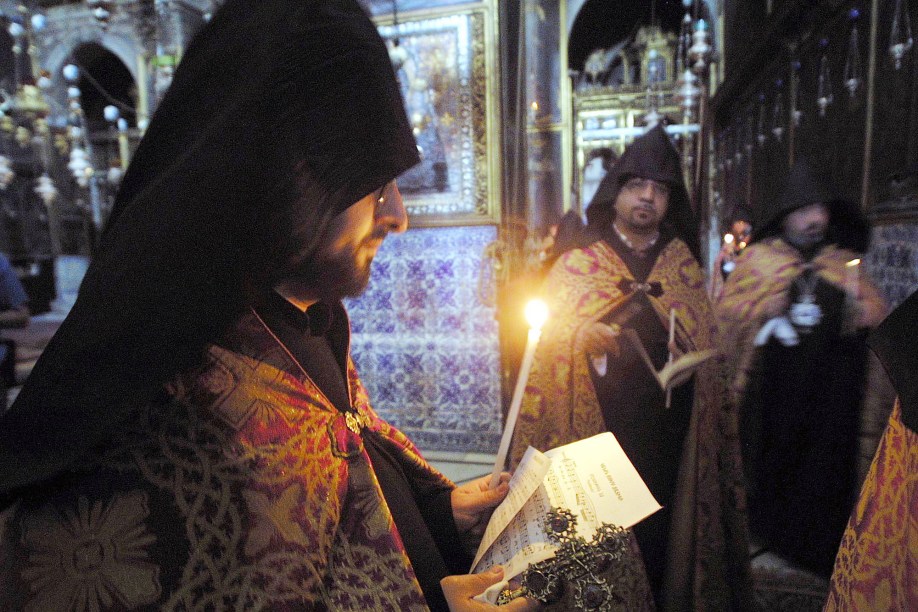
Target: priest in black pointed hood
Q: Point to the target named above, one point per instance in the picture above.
(635, 270)
(196, 435)
(794, 314)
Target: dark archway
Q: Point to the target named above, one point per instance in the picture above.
(104, 80)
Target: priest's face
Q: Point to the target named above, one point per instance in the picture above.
(340, 266)
(641, 205)
(806, 227)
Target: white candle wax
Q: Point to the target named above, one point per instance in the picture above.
(531, 342)
(852, 281)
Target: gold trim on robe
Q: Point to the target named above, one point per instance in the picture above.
(245, 485)
(759, 285)
(708, 567)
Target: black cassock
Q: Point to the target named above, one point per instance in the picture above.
(800, 421)
(634, 408)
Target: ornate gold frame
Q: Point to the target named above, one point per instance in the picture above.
(451, 101)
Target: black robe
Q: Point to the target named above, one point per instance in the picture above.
(633, 407)
(800, 421)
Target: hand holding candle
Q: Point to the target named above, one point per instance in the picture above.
(536, 314)
(852, 280)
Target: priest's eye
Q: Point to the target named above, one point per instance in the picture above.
(640, 184)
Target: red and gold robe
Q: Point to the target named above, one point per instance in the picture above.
(709, 567)
(759, 286)
(242, 488)
(877, 563)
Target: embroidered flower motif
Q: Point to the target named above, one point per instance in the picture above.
(91, 557)
(274, 516)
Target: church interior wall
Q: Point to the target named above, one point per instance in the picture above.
(525, 165)
(792, 90)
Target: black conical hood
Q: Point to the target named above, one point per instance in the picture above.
(895, 342)
(282, 113)
(804, 186)
(650, 156)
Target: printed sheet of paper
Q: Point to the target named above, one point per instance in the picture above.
(510, 530)
(593, 478)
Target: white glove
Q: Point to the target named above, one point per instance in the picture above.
(600, 364)
(780, 328)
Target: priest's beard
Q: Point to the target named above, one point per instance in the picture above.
(330, 277)
(336, 277)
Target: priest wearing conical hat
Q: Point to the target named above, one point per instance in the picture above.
(633, 271)
(794, 314)
(196, 435)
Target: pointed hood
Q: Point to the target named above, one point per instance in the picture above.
(650, 156)
(894, 342)
(281, 114)
(804, 186)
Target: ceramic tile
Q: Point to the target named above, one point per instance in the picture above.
(424, 343)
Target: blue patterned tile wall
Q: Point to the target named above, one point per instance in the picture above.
(892, 260)
(425, 345)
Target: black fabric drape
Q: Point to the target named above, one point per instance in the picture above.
(894, 342)
(800, 425)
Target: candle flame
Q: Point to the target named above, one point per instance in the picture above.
(853, 262)
(536, 313)
(728, 238)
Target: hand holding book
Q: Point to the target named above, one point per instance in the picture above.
(676, 371)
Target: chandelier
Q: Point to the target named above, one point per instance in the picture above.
(43, 129)
(25, 108)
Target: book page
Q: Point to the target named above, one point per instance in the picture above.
(671, 372)
(503, 542)
(593, 478)
(684, 364)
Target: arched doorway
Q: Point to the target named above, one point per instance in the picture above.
(600, 24)
(108, 102)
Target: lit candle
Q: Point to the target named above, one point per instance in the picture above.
(728, 238)
(852, 281)
(536, 314)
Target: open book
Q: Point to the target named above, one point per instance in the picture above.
(593, 478)
(675, 372)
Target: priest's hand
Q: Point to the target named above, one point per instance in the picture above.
(474, 502)
(460, 591)
(600, 339)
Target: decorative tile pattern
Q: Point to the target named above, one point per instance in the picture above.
(424, 343)
(892, 261)
(384, 7)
